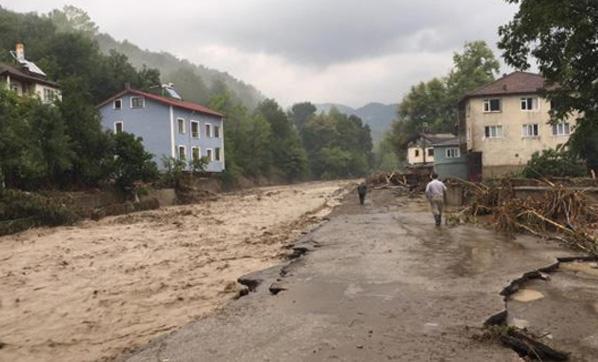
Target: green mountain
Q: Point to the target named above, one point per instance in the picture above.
(376, 115)
(194, 82)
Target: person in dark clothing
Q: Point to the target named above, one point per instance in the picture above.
(362, 190)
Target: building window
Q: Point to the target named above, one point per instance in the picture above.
(194, 129)
(182, 153)
(529, 103)
(530, 130)
(181, 125)
(561, 129)
(118, 103)
(49, 95)
(208, 130)
(493, 131)
(137, 102)
(430, 152)
(119, 127)
(210, 155)
(416, 153)
(14, 87)
(453, 152)
(216, 131)
(195, 153)
(217, 153)
(492, 105)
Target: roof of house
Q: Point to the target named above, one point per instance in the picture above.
(437, 137)
(431, 138)
(165, 100)
(514, 83)
(24, 74)
(455, 141)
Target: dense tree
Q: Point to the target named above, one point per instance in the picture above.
(432, 106)
(337, 145)
(561, 36)
(131, 162)
(288, 155)
(476, 66)
(49, 144)
(301, 113)
(13, 140)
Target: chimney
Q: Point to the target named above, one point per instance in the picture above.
(20, 51)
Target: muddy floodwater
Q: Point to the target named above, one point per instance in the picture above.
(94, 290)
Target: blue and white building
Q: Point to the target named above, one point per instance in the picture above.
(168, 126)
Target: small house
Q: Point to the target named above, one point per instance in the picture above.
(168, 125)
(420, 150)
(27, 79)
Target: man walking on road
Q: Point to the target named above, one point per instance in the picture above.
(362, 190)
(435, 193)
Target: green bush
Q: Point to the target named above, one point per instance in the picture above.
(131, 162)
(554, 163)
(173, 171)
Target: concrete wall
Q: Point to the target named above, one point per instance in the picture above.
(512, 150)
(161, 137)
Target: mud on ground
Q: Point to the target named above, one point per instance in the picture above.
(96, 289)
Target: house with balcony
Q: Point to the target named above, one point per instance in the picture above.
(27, 79)
(506, 121)
(168, 125)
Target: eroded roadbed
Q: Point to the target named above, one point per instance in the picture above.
(382, 284)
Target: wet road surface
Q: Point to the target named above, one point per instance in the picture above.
(380, 282)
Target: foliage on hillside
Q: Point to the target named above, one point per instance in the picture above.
(195, 83)
(433, 106)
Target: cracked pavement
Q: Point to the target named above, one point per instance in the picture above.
(380, 282)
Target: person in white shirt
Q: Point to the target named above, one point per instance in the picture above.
(435, 194)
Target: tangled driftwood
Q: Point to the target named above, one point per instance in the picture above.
(558, 213)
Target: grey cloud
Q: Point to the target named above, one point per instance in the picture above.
(327, 32)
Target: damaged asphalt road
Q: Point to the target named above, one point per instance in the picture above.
(378, 282)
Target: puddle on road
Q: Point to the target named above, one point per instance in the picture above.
(527, 295)
(580, 267)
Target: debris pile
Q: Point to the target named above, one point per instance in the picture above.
(557, 213)
(412, 181)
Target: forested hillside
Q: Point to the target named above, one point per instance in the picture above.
(194, 82)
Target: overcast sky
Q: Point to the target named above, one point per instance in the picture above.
(343, 51)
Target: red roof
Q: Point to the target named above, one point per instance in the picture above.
(170, 101)
(514, 83)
